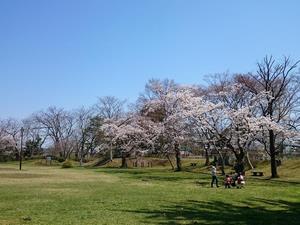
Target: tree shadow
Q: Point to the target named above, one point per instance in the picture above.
(276, 181)
(256, 211)
(273, 182)
(155, 174)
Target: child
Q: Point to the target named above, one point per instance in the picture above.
(240, 181)
(228, 181)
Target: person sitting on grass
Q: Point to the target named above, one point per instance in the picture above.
(228, 181)
(240, 181)
(234, 178)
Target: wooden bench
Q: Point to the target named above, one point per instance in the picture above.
(193, 164)
(257, 173)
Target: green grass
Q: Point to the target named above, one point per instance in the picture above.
(51, 195)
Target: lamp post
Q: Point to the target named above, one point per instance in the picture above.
(21, 149)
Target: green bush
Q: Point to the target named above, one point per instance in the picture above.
(60, 159)
(67, 164)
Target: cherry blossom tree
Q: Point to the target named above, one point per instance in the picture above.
(165, 106)
(129, 134)
(8, 140)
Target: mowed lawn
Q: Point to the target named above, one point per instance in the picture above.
(51, 195)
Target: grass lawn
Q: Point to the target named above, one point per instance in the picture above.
(51, 195)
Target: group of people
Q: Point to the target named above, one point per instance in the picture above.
(236, 180)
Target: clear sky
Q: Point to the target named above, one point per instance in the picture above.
(68, 52)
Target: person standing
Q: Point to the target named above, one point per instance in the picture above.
(214, 177)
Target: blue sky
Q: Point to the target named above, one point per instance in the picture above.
(68, 52)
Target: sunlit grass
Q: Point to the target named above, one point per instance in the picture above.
(51, 195)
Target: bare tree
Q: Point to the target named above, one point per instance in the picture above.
(59, 125)
(280, 82)
(110, 107)
(12, 128)
(35, 135)
(84, 132)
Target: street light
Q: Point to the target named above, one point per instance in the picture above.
(21, 149)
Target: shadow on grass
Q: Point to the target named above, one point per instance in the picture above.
(257, 211)
(9, 169)
(273, 182)
(276, 181)
(155, 174)
(23, 175)
(199, 178)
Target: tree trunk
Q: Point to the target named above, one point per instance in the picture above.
(178, 159)
(223, 162)
(81, 157)
(248, 161)
(111, 154)
(170, 161)
(206, 157)
(273, 154)
(124, 161)
(222, 159)
(239, 166)
(81, 150)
